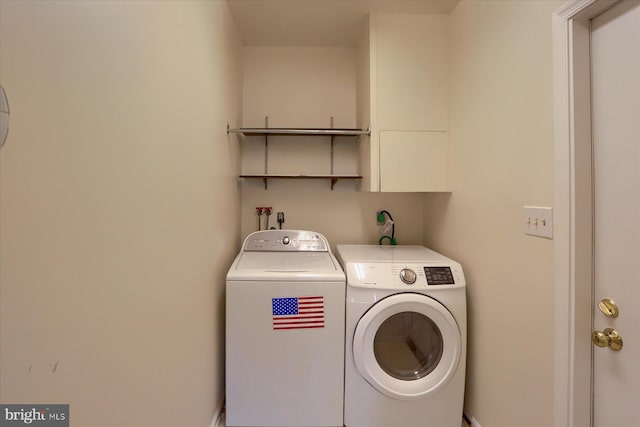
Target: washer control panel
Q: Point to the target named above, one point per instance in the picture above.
(286, 240)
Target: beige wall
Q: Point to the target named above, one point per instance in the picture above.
(304, 87)
(501, 135)
(119, 207)
(120, 211)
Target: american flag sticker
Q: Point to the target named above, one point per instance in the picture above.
(298, 312)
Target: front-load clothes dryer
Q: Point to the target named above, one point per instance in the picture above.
(405, 341)
(285, 332)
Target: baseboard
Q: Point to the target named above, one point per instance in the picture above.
(471, 420)
(217, 416)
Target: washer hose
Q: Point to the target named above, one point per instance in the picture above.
(392, 238)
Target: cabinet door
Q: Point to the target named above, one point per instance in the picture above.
(411, 72)
(414, 161)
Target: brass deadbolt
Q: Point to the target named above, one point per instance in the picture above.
(608, 307)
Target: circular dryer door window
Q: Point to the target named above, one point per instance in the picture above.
(407, 346)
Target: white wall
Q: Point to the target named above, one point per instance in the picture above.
(304, 87)
(502, 159)
(119, 207)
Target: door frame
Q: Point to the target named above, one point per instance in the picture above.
(573, 213)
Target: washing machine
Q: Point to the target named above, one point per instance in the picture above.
(285, 308)
(405, 342)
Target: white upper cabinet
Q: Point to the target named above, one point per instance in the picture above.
(411, 71)
(403, 94)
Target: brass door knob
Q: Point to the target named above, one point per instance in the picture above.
(607, 338)
(599, 339)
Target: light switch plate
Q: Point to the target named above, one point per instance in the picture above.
(538, 221)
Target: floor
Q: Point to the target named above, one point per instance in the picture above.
(464, 423)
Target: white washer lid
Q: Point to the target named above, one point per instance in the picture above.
(286, 266)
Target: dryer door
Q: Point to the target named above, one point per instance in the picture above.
(407, 346)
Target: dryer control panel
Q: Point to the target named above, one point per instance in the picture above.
(439, 276)
(286, 240)
(404, 276)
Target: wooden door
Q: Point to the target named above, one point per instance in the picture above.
(615, 53)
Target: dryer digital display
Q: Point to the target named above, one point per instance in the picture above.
(439, 276)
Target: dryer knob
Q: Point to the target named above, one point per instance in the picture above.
(408, 276)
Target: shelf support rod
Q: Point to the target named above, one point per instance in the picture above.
(266, 150)
(331, 154)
